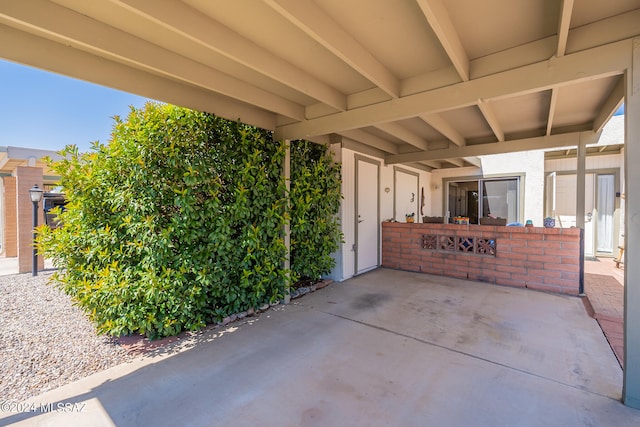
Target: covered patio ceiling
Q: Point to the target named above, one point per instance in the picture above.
(429, 83)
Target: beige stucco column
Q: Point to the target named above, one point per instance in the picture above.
(27, 177)
(10, 243)
(631, 389)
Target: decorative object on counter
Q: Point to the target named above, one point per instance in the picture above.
(529, 223)
(432, 219)
(549, 222)
(464, 220)
(493, 221)
(410, 217)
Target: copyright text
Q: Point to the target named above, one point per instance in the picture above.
(15, 407)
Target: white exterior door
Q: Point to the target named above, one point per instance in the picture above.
(606, 208)
(599, 209)
(589, 220)
(367, 217)
(406, 200)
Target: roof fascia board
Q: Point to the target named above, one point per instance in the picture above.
(538, 143)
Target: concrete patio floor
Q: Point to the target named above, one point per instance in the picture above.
(386, 348)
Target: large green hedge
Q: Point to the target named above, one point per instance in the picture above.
(315, 198)
(176, 222)
(179, 221)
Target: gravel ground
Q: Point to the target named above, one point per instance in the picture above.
(45, 341)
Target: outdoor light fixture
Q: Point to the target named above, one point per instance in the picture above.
(36, 195)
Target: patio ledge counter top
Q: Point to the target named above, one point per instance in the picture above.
(545, 259)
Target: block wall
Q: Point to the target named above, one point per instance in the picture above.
(546, 259)
(10, 244)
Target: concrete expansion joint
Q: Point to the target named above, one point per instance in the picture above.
(463, 353)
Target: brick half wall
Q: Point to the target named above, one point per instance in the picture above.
(546, 259)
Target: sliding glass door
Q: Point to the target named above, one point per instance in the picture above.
(484, 198)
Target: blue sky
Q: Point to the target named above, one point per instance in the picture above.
(43, 110)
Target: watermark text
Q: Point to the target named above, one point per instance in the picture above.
(15, 407)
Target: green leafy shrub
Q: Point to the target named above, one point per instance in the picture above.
(315, 199)
(176, 222)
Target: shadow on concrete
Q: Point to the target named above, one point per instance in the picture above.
(430, 351)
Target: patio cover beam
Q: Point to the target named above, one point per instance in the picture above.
(564, 22)
(439, 123)
(404, 134)
(441, 24)
(212, 35)
(314, 22)
(370, 139)
(475, 161)
(70, 28)
(456, 162)
(552, 110)
(537, 143)
(492, 120)
(612, 103)
(613, 60)
(566, 9)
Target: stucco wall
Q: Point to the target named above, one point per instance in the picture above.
(530, 164)
(348, 209)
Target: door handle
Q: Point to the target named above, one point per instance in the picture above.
(360, 220)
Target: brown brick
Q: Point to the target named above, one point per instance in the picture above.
(509, 269)
(541, 258)
(544, 273)
(544, 244)
(528, 251)
(561, 267)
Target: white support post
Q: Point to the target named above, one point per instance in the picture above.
(581, 201)
(286, 172)
(580, 187)
(631, 375)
